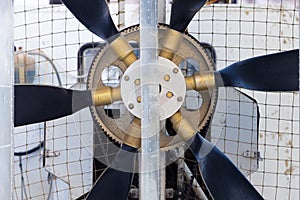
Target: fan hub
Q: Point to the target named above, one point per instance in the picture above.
(170, 81)
(108, 70)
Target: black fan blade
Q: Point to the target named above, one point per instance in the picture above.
(183, 12)
(36, 103)
(222, 178)
(274, 72)
(113, 182)
(94, 15)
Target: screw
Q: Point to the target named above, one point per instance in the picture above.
(175, 70)
(179, 99)
(167, 77)
(130, 106)
(169, 94)
(139, 99)
(126, 78)
(137, 82)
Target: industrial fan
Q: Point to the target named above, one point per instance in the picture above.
(37, 103)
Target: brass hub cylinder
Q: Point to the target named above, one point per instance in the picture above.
(106, 95)
(123, 50)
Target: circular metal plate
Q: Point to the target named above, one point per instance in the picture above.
(170, 81)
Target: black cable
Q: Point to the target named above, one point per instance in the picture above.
(22, 179)
(23, 153)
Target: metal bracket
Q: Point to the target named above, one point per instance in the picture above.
(252, 155)
(48, 153)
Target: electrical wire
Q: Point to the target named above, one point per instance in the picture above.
(50, 181)
(54, 66)
(22, 180)
(51, 63)
(42, 143)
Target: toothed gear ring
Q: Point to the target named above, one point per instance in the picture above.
(115, 119)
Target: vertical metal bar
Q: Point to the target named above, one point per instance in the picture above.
(150, 159)
(162, 175)
(6, 99)
(162, 19)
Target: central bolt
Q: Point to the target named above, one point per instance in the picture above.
(139, 99)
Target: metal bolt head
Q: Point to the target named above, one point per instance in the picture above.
(139, 99)
(130, 106)
(179, 99)
(137, 81)
(126, 78)
(169, 94)
(167, 77)
(175, 70)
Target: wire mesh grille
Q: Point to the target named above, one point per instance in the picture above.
(248, 29)
(47, 40)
